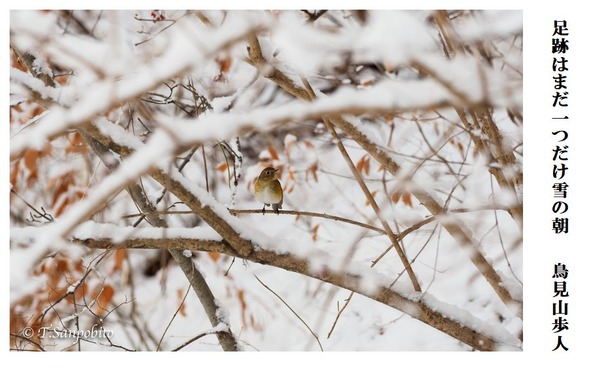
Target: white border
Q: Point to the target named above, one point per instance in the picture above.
(536, 365)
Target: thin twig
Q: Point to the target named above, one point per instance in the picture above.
(157, 33)
(309, 214)
(205, 168)
(292, 310)
(93, 264)
(500, 240)
(173, 317)
(28, 340)
(337, 317)
(197, 337)
(185, 161)
(43, 214)
(367, 192)
(313, 17)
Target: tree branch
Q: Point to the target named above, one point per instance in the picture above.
(508, 177)
(414, 305)
(309, 214)
(369, 196)
(459, 234)
(194, 276)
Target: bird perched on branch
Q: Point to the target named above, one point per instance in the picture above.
(267, 189)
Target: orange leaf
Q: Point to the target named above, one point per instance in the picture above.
(78, 266)
(17, 107)
(13, 175)
(16, 63)
(273, 153)
(60, 205)
(38, 110)
(80, 291)
(363, 164)
(180, 296)
(313, 170)
(314, 232)
(243, 305)
(40, 270)
(461, 149)
(120, 256)
(396, 196)
(104, 296)
(30, 157)
(224, 64)
(79, 194)
(241, 298)
(76, 144)
(367, 82)
(62, 184)
(61, 266)
(55, 293)
(222, 167)
(360, 164)
(407, 199)
(368, 202)
(62, 80)
(214, 256)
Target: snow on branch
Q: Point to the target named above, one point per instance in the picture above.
(363, 280)
(134, 167)
(387, 129)
(187, 46)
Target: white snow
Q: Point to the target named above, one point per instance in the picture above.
(407, 114)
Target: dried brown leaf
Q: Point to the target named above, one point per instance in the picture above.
(273, 153)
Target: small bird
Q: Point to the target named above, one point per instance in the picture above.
(267, 189)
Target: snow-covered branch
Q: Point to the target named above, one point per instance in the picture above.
(393, 135)
(456, 323)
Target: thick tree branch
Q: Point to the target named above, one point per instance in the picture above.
(179, 189)
(412, 304)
